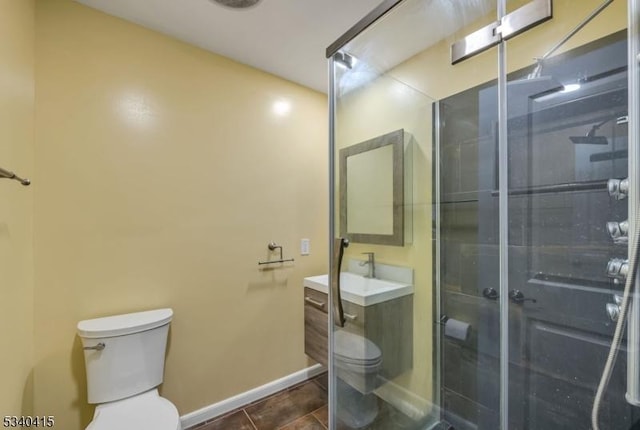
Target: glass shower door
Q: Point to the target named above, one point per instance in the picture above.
(386, 372)
(506, 269)
(567, 132)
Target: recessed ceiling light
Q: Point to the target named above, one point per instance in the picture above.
(237, 4)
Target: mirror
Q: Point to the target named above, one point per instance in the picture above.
(372, 190)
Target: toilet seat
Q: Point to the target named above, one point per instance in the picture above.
(356, 353)
(146, 411)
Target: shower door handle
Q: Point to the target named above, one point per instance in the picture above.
(490, 293)
(339, 244)
(517, 297)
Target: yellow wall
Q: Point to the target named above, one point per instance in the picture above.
(162, 173)
(16, 206)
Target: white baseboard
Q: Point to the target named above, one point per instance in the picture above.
(407, 402)
(215, 410)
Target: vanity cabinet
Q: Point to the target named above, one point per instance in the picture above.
(388, 324)
(316, 325)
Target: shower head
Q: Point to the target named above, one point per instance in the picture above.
(590, 138)
(537, 71)
(237, 4)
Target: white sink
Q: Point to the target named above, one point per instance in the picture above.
(360, 290)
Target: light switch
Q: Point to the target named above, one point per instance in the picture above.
(304, 246)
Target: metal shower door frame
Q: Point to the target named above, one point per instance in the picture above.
(332, 234)
(508, 25)
(503, 223)
(633, 323)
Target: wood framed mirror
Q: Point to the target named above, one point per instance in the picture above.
(372, 190)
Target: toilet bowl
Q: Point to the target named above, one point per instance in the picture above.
(124, 359)
(357, 363)
(147, 410)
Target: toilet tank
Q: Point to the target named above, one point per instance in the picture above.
(124, 354)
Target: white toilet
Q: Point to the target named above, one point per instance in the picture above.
(124, 357)
(357, 362)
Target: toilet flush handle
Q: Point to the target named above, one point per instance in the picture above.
(98, 347)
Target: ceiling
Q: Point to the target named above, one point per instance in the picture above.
(285, 37)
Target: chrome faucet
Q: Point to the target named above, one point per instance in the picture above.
(371, 262)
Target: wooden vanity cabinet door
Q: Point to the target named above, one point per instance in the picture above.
(389, 325)
(316, 325)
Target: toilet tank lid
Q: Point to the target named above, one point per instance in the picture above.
(120, 325)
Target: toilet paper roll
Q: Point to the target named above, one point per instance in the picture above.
(456, 329)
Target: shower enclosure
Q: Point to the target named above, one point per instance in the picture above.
(518, 123)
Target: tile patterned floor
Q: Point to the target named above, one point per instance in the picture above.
(301, 407)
